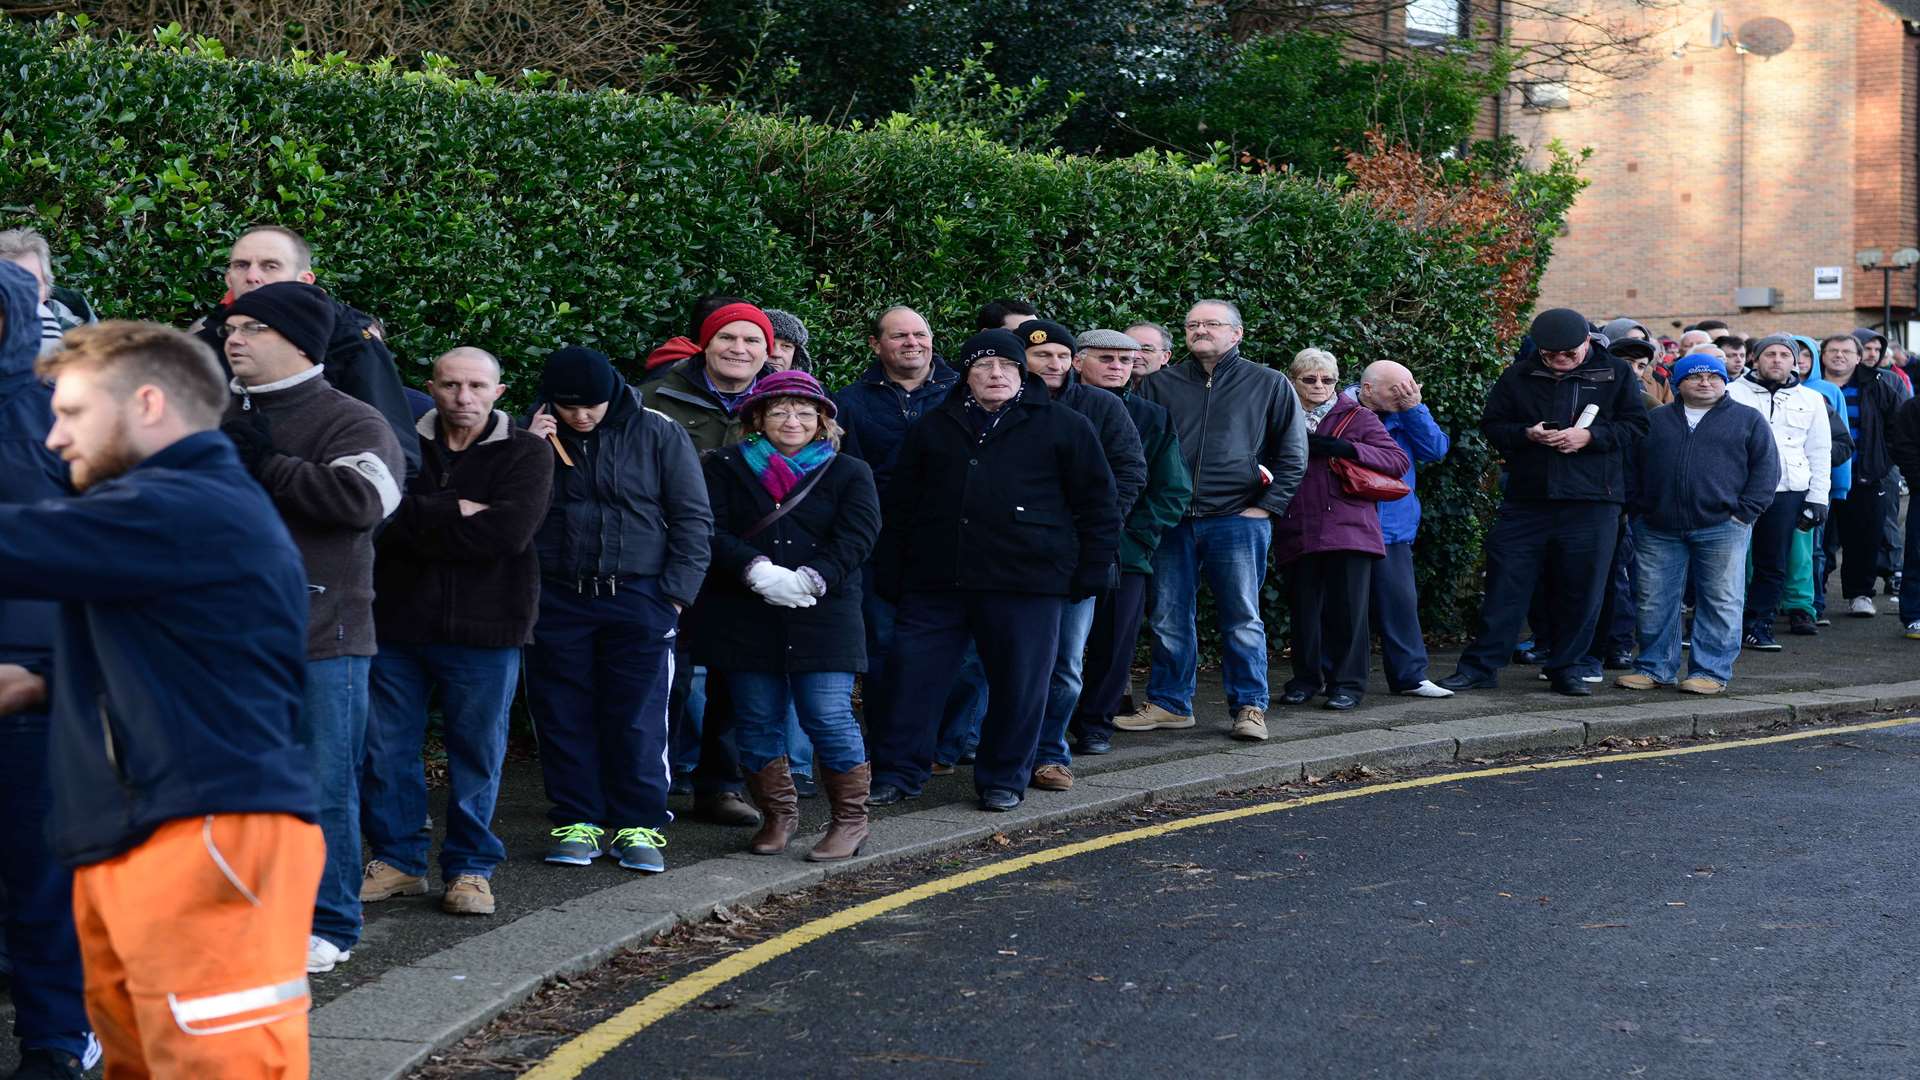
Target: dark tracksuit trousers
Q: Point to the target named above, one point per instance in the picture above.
(1017, 635)
(599, 673)
(1569, 542)
(1854, 532)
(1109, 670)
(1393, 604)
(49, 1007)
(1770, 547)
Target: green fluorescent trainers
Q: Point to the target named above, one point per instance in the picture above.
(639, 849)
(577, 844)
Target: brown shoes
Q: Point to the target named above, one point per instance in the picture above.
(1052, 777)
(469, 894)
(772, 791)
(383, 882)
(724, 808)
(847, 798)
(1637, 681)
(1150, 717)
(1250, 724)
(1700, 684)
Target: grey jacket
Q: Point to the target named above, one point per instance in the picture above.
(1242, 416)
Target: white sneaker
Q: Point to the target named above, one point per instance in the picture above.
(1428, 688)
(322, 954)
(1861, 607)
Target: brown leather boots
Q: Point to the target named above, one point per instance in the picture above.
(772, 791)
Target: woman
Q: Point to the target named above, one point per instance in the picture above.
(793, 522)
(1327, 540)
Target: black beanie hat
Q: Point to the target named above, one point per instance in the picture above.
(1558, 329)
(1045, 332)
(297, 311)
(1000, 343)
(575, 376)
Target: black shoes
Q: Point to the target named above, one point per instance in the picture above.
(996, 800)
(1530, 656)
(1342, 702)
(725, 808)
(1460, 680)
(885, 794)
(1572, 686)
(1092, 745)
(1801, 623)
(1296, 697)
(40, 1064)
(1620, 661)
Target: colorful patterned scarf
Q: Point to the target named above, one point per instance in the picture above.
(779, 473)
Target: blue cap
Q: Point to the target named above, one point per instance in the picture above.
(1693, 363)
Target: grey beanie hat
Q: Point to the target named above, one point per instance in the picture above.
(1106, 339)
(788, 325)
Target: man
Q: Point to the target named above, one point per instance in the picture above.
(1875, 354)
(332, 468)
(788, 352)
(1854, 532)
(180, 646)
(1693, 339)
(1004, 510)
(356, 357)
(1565, 418)
(1107, 360)
(1244, 439)
(1903, 446)
(1733, 349)
(456, 589)
(1394, 597)
(1156, 347)
(28, 250)
(1707, 472)
(1803, 441)
(623, 550)
(1050, 353)
(50, 1016)
(1004, 314)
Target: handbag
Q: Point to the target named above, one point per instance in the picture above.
(1361, 482)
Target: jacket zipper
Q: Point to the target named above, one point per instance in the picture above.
(1206, 412)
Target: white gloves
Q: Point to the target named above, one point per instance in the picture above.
(780, 586)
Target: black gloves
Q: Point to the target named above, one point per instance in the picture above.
(1812, 516)
(252, 436)
(1091, 582)
(1326, 446)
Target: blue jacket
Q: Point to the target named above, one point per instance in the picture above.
(876, 415)
(181, 660)
(29, 471)
(1420, 436)
(1843, 472)
(1726, 467)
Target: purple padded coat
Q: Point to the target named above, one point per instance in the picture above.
(1322, 516)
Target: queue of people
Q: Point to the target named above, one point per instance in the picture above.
(252, 565)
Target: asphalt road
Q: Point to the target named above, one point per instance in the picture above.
(1741, 913)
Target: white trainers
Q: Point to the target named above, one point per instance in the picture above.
(1428, 688)
(322, 954)
(1913, 630)
(1861, 607)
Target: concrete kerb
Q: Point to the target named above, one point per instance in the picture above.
(387, 1027)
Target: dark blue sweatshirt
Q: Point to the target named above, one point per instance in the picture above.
(180, 663)
(1726, 467)
(29, 471)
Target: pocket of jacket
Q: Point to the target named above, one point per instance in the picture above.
(1049, 518)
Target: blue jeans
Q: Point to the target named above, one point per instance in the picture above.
(800, 751)
(1717, 559)
(823, 700)
(1231, 554)
(1063, 687)
(333, 729)
(476, 690)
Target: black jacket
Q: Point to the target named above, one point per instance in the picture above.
(832, 531)
(632, 503)
(1119, 439)
(1696, 478)
(441, 578)
(1903, 442)
(1029, 509)
(358, 364)
(29, 471)
(1880, 402)
(1242, 416)
(1527, 393)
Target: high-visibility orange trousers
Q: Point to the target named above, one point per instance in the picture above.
(195, 948)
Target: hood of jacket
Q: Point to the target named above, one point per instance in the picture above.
(1619, 329)
(20, 338)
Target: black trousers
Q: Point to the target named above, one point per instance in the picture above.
(1566, 545)
(719, 766)
(1770, 548)
(1854, 532)
(1891, 554)
(1327, 597)
(1109, 666)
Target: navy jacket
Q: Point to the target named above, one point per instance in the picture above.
(29, 471)
(180, 665)
(876, 415)
(1726, 467)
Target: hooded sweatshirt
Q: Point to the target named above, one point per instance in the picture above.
(29, 472)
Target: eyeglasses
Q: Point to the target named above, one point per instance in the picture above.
(1316, 380)
(1208, 324)
(251, 328)
(781, 416)
(1559, 354)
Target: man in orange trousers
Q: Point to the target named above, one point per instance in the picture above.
(181, 798)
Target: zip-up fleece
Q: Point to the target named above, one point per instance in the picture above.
(334, 476)
(1727, 466)
(1229, 423)
(180, 661)
(1528, 393)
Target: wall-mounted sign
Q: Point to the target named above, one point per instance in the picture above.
(1827, 282)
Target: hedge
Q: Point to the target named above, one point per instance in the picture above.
(462, 212)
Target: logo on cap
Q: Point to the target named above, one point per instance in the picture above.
(1037, 337)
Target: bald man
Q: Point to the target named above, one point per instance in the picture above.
(457, 588)
(1390, 391)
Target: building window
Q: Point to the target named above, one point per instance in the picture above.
(1545, 95)
(1436, 22)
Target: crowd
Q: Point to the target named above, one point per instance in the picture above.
(240, 563)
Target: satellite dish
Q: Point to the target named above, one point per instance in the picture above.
(1766, 36)
(1717, 32)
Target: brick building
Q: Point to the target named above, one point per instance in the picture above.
(1766, 143)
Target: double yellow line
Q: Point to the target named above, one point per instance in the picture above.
(574, 1057)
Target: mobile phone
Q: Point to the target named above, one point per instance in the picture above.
(1552, 425)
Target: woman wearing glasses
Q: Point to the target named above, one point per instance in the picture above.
(1327, 540)
(793, 522)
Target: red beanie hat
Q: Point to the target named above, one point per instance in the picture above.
(734, 313)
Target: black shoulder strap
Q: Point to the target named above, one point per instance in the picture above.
(791, 501)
